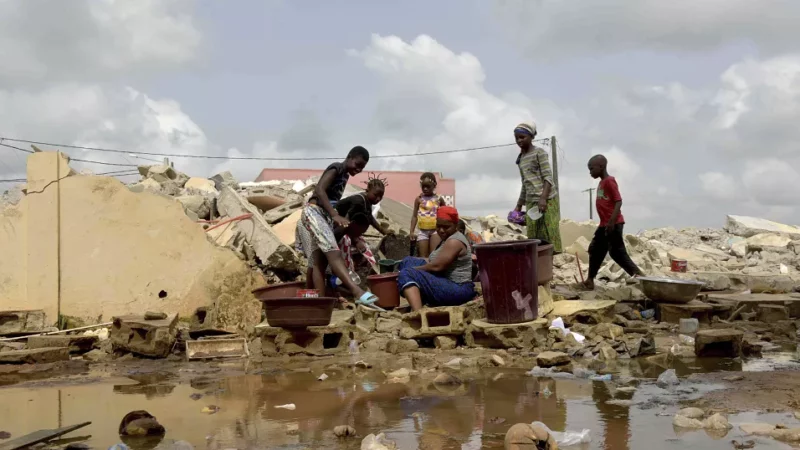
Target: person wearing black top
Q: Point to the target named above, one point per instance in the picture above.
(314, 233)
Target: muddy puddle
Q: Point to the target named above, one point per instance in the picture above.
(473, 415)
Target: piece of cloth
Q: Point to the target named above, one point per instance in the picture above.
(607, 197)
(435, 290)
(612, 243)
(548, 227)
(526, 128)
(447, 213)
(425, 235)
(353, 204)
(336, 188)
(460, 270)
(348, 246)
(534, 170)
(426, 213)
(314, 231)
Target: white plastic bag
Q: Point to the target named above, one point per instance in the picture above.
(558, 324)
(567, 438)
(686, 340)
(548, 372)
(668, 378)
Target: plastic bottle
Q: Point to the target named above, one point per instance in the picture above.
(335, 281)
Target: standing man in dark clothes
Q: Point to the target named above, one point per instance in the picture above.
(608, 239)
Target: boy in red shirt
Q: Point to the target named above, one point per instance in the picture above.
(608, 238)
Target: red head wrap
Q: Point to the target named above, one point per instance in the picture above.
(447, 213)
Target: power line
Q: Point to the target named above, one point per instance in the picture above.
(88, 161)
(254, 158)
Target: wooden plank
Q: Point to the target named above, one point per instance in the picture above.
(40, 436)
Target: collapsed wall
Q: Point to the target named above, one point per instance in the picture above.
(88, 247)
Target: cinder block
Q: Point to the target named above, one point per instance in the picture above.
(524, 336)
(153, 338)
(76, 344)
(432, 322)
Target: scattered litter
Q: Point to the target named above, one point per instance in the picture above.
(548, 372)
(606, 377)
(322, 377)
(558, 324)
(686, 340)
(581, 372)
(289, 406)
(379, 442)
(668, 378)
(567, 438)
(546, 392)
(648, 313)
(210, 409)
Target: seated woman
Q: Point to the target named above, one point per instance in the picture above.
(445, 279)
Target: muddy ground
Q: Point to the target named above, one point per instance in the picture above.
(628, 412)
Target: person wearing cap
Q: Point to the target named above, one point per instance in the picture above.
(538, 194)
(444, 279)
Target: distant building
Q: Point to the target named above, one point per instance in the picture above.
(403, 186)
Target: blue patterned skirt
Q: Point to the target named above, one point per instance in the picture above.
(435, 290)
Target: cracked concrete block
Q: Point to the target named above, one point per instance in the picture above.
(35, 356)
(197, 204)
(76, 344)
(315, 341)
(201, 186)
(153, 338)
(482, 334)
(584, 311)
(719, 342)
(273, 253)
(432, 322)
(13, 322)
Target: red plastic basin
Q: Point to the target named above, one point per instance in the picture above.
(299, 312)
(385, 287)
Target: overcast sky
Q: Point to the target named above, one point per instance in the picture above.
(696, 104)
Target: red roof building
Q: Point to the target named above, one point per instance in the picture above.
(403, 186)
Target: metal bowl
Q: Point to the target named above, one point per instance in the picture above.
(670, 290)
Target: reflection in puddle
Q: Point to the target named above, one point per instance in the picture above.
(470, 416)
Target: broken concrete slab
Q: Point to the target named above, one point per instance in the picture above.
(571, 231)
(21, 322)
(35, 356)
(546, 302)
(581, 248)
(201, 186)
(767, 242)
(286, 229)
(674, 312)
(583, 311)
(197, 204)
(690, 256)
(550, 359)
(719, 342)
(276, 215)
(772, 313)
(273, 253)
(153, 338)
(225, 179)
(790, 301)
(750, 226)
(77, 344)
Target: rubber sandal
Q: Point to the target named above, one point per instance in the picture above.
(368, 300)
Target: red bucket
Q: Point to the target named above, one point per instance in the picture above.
(679, 265)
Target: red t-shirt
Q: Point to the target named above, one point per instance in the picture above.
(607, 196)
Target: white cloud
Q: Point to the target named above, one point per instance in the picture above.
(772, 182)
(557, 29)
(45, 41)
(719, 185)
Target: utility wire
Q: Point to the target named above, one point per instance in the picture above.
(254, 158)
(88, 161)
